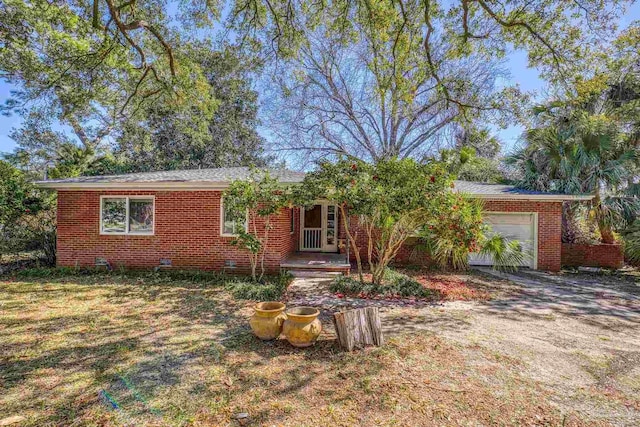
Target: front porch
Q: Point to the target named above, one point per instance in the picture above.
(316, 261)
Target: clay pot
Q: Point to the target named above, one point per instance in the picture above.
(302, 326)
(267, 319)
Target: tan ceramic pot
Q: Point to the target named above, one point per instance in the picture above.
(267, 319)
(302, 327)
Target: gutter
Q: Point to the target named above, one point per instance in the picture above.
(222, 185)
(107, 186)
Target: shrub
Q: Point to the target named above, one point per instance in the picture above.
(270, 289)
(391, 199)
(186, 275)
(48, 272)
(393, 284)
(454, 233)
(241, 287)
(403, 285)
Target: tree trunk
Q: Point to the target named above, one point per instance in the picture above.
(254, 256)
(267, 227)
(358, 328)
(352, 241)
(569, 227)
(606, 234)
(368, 226)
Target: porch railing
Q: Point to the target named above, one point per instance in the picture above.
(312, 238)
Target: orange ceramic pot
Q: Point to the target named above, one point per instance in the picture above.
(267, 319)
(302, 327)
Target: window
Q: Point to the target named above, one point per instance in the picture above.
(292, 225)
(126, 214)
(230, 225)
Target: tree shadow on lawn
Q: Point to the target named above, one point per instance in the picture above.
(275, 371)
(178, 354)
(175, 345)
(61, 343)
(540, 296)
(409, 321)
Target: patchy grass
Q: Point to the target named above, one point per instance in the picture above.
(150, 350)
(420, 284)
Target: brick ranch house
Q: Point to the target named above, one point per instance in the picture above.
(177, 219)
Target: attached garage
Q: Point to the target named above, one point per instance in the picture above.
(533, 218)
(520, 226)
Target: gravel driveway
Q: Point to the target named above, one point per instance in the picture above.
(578, 335)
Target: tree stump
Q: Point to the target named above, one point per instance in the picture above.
(358, 328)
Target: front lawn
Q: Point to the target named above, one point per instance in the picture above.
(114, 350)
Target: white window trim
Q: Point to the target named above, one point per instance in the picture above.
(222, 233)
(127, 232)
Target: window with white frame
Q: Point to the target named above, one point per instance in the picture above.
(231, 224)
(126, 214)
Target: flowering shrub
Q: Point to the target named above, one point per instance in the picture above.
(391, 200)
(456, 231)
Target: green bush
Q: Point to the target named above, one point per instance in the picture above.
(197, 276)
(241, 287)
(270, 289)
(393, 284)
(49, 272)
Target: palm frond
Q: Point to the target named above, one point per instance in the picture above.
(506, 254)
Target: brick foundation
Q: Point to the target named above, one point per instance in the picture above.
(602, 255)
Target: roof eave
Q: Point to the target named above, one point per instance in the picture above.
(208, 185)
(534, 197)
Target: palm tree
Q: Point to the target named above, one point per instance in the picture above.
(574, 152)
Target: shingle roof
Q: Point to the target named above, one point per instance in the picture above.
(501, 191)
(221, 177)
(491, 189)
(213, 175)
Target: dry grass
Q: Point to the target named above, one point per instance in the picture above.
(173, 354)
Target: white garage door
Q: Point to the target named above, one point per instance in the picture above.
(520, 226)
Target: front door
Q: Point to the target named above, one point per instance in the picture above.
(319, 228)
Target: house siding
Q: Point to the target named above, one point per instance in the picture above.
(549, 233)
(187, 231)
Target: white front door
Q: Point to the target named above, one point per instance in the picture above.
(319, 228)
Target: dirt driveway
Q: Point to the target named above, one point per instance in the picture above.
(578, 335)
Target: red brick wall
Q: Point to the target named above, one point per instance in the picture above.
(602, 255)
(187, 231)
(549, 233)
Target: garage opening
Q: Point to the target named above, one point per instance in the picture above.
(515, 226)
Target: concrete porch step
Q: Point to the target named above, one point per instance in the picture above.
(320, 274)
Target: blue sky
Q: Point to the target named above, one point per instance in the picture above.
(527, 78)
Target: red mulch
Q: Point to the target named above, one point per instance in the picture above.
(446, 287)
(452, 288)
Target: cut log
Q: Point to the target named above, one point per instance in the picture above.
(358, 328)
